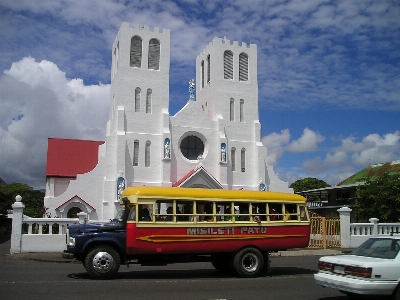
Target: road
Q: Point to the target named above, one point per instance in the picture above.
(291, 278)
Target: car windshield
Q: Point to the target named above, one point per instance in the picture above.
(379, 248)
(119, 216)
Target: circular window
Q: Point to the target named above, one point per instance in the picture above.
(192, 147)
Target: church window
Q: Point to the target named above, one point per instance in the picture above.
(243, 159)
(228, 64)
(136, 51)
(192, 147)
(241, 110)
(232, 110)
(148, 101)
(73, 212)
(233, 158)
(243, 67)
(154, 54)
(137, 99)
(136, 153)
(208, 69)
(202, 73)
(147, 154)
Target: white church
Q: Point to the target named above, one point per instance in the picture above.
(213, 142)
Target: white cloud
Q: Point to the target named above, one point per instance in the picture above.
(275, 143)
(37, 101)
(307, 142)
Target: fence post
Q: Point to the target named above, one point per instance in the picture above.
(375, 222)
(16, 230)
(82, 217)
(345, 234)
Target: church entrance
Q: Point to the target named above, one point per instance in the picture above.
(73, 212)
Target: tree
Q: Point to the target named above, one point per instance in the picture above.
(308, 183)
(379, 198)
(32, 199)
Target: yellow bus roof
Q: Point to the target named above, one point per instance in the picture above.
(199, 193)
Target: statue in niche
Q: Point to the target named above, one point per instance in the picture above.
(120, 187)
(223, 153)
(262, 186)
(167, 149)
(192, 90)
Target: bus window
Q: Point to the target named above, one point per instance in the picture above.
(225, 211)
(243, 211)
(261, 211)
(132, 214)
(184, 211)
(291, 212)
(205, 211)
(303, 214)
(275, 212)
(144, 211)
(161, 210)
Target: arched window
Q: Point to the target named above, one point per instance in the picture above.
(147, 154)
(243, 67)
(243, 159)
(136, 153)
(232, 110)
(148, 101)
(228, 64)
(136, 51)
(73, 212)
(241, 110)
(154, 54)
(202, 73)
(137, 99)
(233, 158)
(208, 69)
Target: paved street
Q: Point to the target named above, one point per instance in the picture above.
(291, 278)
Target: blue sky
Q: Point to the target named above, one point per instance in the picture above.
(328, 75)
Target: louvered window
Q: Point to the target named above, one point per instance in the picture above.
(148, 101)
(147, 155)
(241, 110)
(233, 158)
(202, 73)
(228, 64)
(136, 153)
(232, 110)
(243, 159)
(243, 67)
(154, 54)
(208, 69)
(136, 51)
(137, 99)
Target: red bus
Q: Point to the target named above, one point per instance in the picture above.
(234, 230)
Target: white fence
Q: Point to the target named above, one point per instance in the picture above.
(49, 234)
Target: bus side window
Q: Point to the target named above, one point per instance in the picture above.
(291, 212)
(243, 211)
(132, 214)
(145, 212)
(275, 212)
(303, 215)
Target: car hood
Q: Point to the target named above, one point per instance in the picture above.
(90, 227)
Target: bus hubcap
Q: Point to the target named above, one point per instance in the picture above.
(250, 262)
(103, 262)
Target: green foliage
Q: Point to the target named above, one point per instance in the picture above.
(32, 199)
(308, 183)
(379, 198)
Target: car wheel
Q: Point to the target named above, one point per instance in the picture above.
(102, 262)
(248, 262)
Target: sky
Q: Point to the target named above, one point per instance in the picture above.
(328, 76)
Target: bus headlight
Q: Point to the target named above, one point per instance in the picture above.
(71, 241)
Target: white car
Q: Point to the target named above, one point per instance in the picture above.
(371, 269)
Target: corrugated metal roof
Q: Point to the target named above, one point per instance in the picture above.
(67, 157)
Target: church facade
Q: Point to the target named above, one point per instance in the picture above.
(214, 141)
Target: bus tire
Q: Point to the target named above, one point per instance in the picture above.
(102, 262)
(248, 262)
(221, 262)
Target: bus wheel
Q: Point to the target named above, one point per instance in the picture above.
(221, 262)
(102, 262)
(248, 262)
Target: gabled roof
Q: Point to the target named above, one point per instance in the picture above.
(67, 158)
(198, 177)
(372, 172)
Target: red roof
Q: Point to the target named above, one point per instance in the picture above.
(67, 158)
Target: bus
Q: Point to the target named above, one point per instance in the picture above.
(235, 230)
